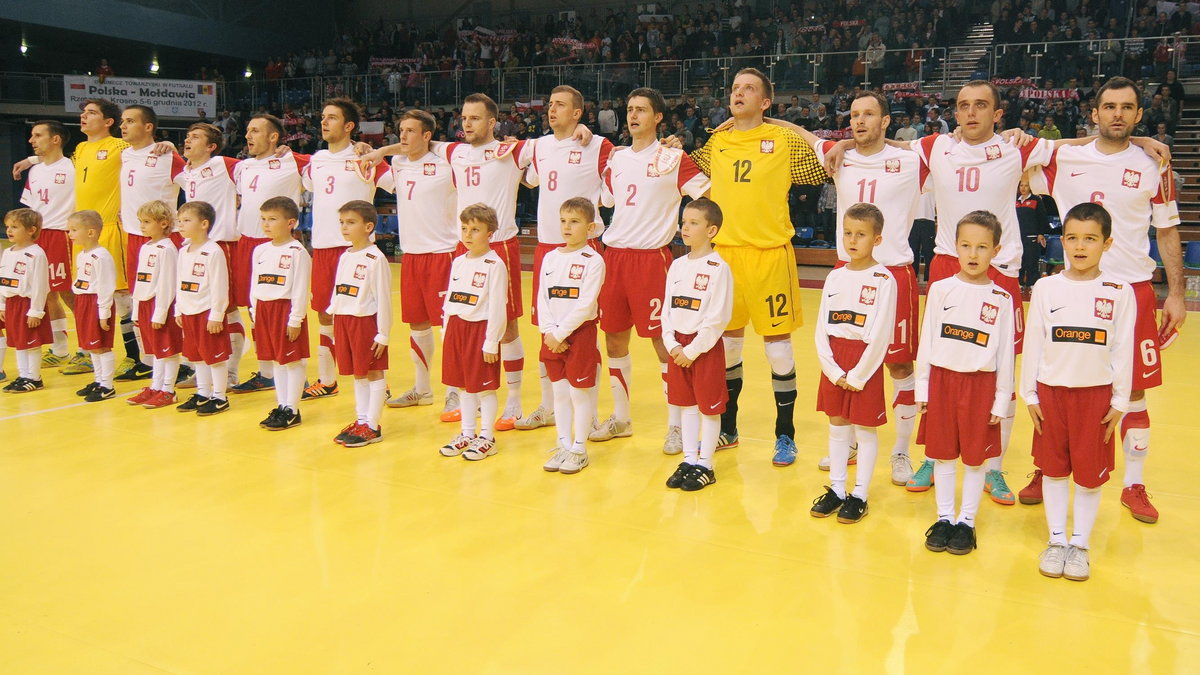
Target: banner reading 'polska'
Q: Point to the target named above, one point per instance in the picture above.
(169, 98)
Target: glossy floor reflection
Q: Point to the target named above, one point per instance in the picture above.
(149, 541)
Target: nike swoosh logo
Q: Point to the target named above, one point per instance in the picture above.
(1102, 472)
(832, 294)
(488, 383)
(546, 274)
(909, 417)
(1151, 372)
(1054, 309)
(847, 165)
(784, 405)
(777, 324)
(453, 278)
(219, 356)
(947, 309)
(581, 379)
(654, 326)
(895, 351)
(989, 447)
(1077, 173)
(1139, 449)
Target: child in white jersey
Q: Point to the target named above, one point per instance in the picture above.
(200, 305)
(154, 309)
(94, 286)
(24, 287)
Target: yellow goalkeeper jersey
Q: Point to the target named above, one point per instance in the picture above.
(97, 177)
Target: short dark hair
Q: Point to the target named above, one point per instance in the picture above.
(426, 120)
(1093, 212)
(576, 97)
(211, 133)
(768, 88)
(884, 108)
(108, 109)
(55, 128)
(202, 210)
(365, 210)
(274, 123)
(1120, 83)
(488, 103)
(866, 212)
(351, 111)
(984, 219)
(580, 205)
(657, 103)
(284, 205)
(982, 83)
(147, 113)
(709, 209)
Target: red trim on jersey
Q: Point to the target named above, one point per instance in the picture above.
(177, 165)
(925, 146)
(380, 170)
(1027, 150)
(687, 170)
(827, 146)
(230, 163)
(606, 148)
(516, 153)
(1050, 171)
(301, 161)
(1166, 187)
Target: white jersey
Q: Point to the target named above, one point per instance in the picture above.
(1079, 334)
(561, 170)
(258, 180)
(966, 178)
(645, 189)
(1131, 187)
(25, 272)
(146, 177)
(362, 287)
(968, 328)
(203, 280)
(699, 300)
(569, 292)
(50, 190)
(891, 180)
(478, 291)
(425, 203)
(157, 268)
(96, 274)
(856, 305)
(489, 174)
(333, 179)
(212, 182)
(282, 273)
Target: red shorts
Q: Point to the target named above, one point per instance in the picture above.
(863, 408)
(905, 332)
(462, 357)
(243, 269)
(509, 251)
(702, 384)
(1013, 287)
(270, 333)
(200, 345)
(158, 342)
(353, 340)
(579, 362)
(58, 254)
(20, 335)
(133, 245)
(87, 324)
(635, 281)
(229, 248)
(1072, 439)
(324, 269)
(1147, 366)
(424, 278)
(942, 267)
(960, 405)
(539, 252)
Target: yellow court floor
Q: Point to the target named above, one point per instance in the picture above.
(136, 541)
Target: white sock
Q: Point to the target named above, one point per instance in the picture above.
(868, 451)
(945, 482)
(421, 348)
(1006, 428)
(1136, 444)
(108, 362)
(220, 379)
(689, 428)
(3, 349)
(710, 429)
(906, 414)
(362, 399)
(266, 369)
(1087, 505)
(840, 439)
(488, 405)
(281, 385)
(513, 356)
(58, 329)
(973, 477)
(25, 363)
(469, 404)
(326, 368)
(548, 394)
(378, 394)
(1055, 492)
(672, 410)
(157, 374)
(562, 408)
(620, 370)
(594, 392)
(583, 412)
(237, 342)
(170, 372)
(295, 384)
(204, 379)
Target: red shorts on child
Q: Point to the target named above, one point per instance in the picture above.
(580, 360)
(87, 324)
(201, 345)
(424, 278)
(20, 335)
(58, 255)
(158, 342)
(243, 268)
(1147, 366)
(353, 345)
(956, 418)
(635, 282)
(863, 408)
(270, 333)
(1072, 439)
(324, 269)
(701, 384)
(509, 251)
(462, 357)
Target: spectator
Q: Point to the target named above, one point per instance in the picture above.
(1161, 135)
(105, 71)
(1050, 130)
(608, 120)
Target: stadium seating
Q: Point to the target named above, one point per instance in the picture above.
(1191, 255)
(1054, 251)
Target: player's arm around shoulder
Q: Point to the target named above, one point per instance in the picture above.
(301, 283)
(804, 166)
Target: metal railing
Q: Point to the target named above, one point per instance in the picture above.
(1132, 57)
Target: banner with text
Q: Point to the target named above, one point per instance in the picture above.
(168, 98)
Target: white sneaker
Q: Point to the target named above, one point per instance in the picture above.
(188, 382)
(1052, 561)
(233, 381)
(480, 448)
(452, 410)
(556, 461)
(456, 446)
(574, 463)
(540, 417)
(1077, 567)
(410, 398)
(901, 469)
(824, 463)
(610, 429)
(673, 445)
